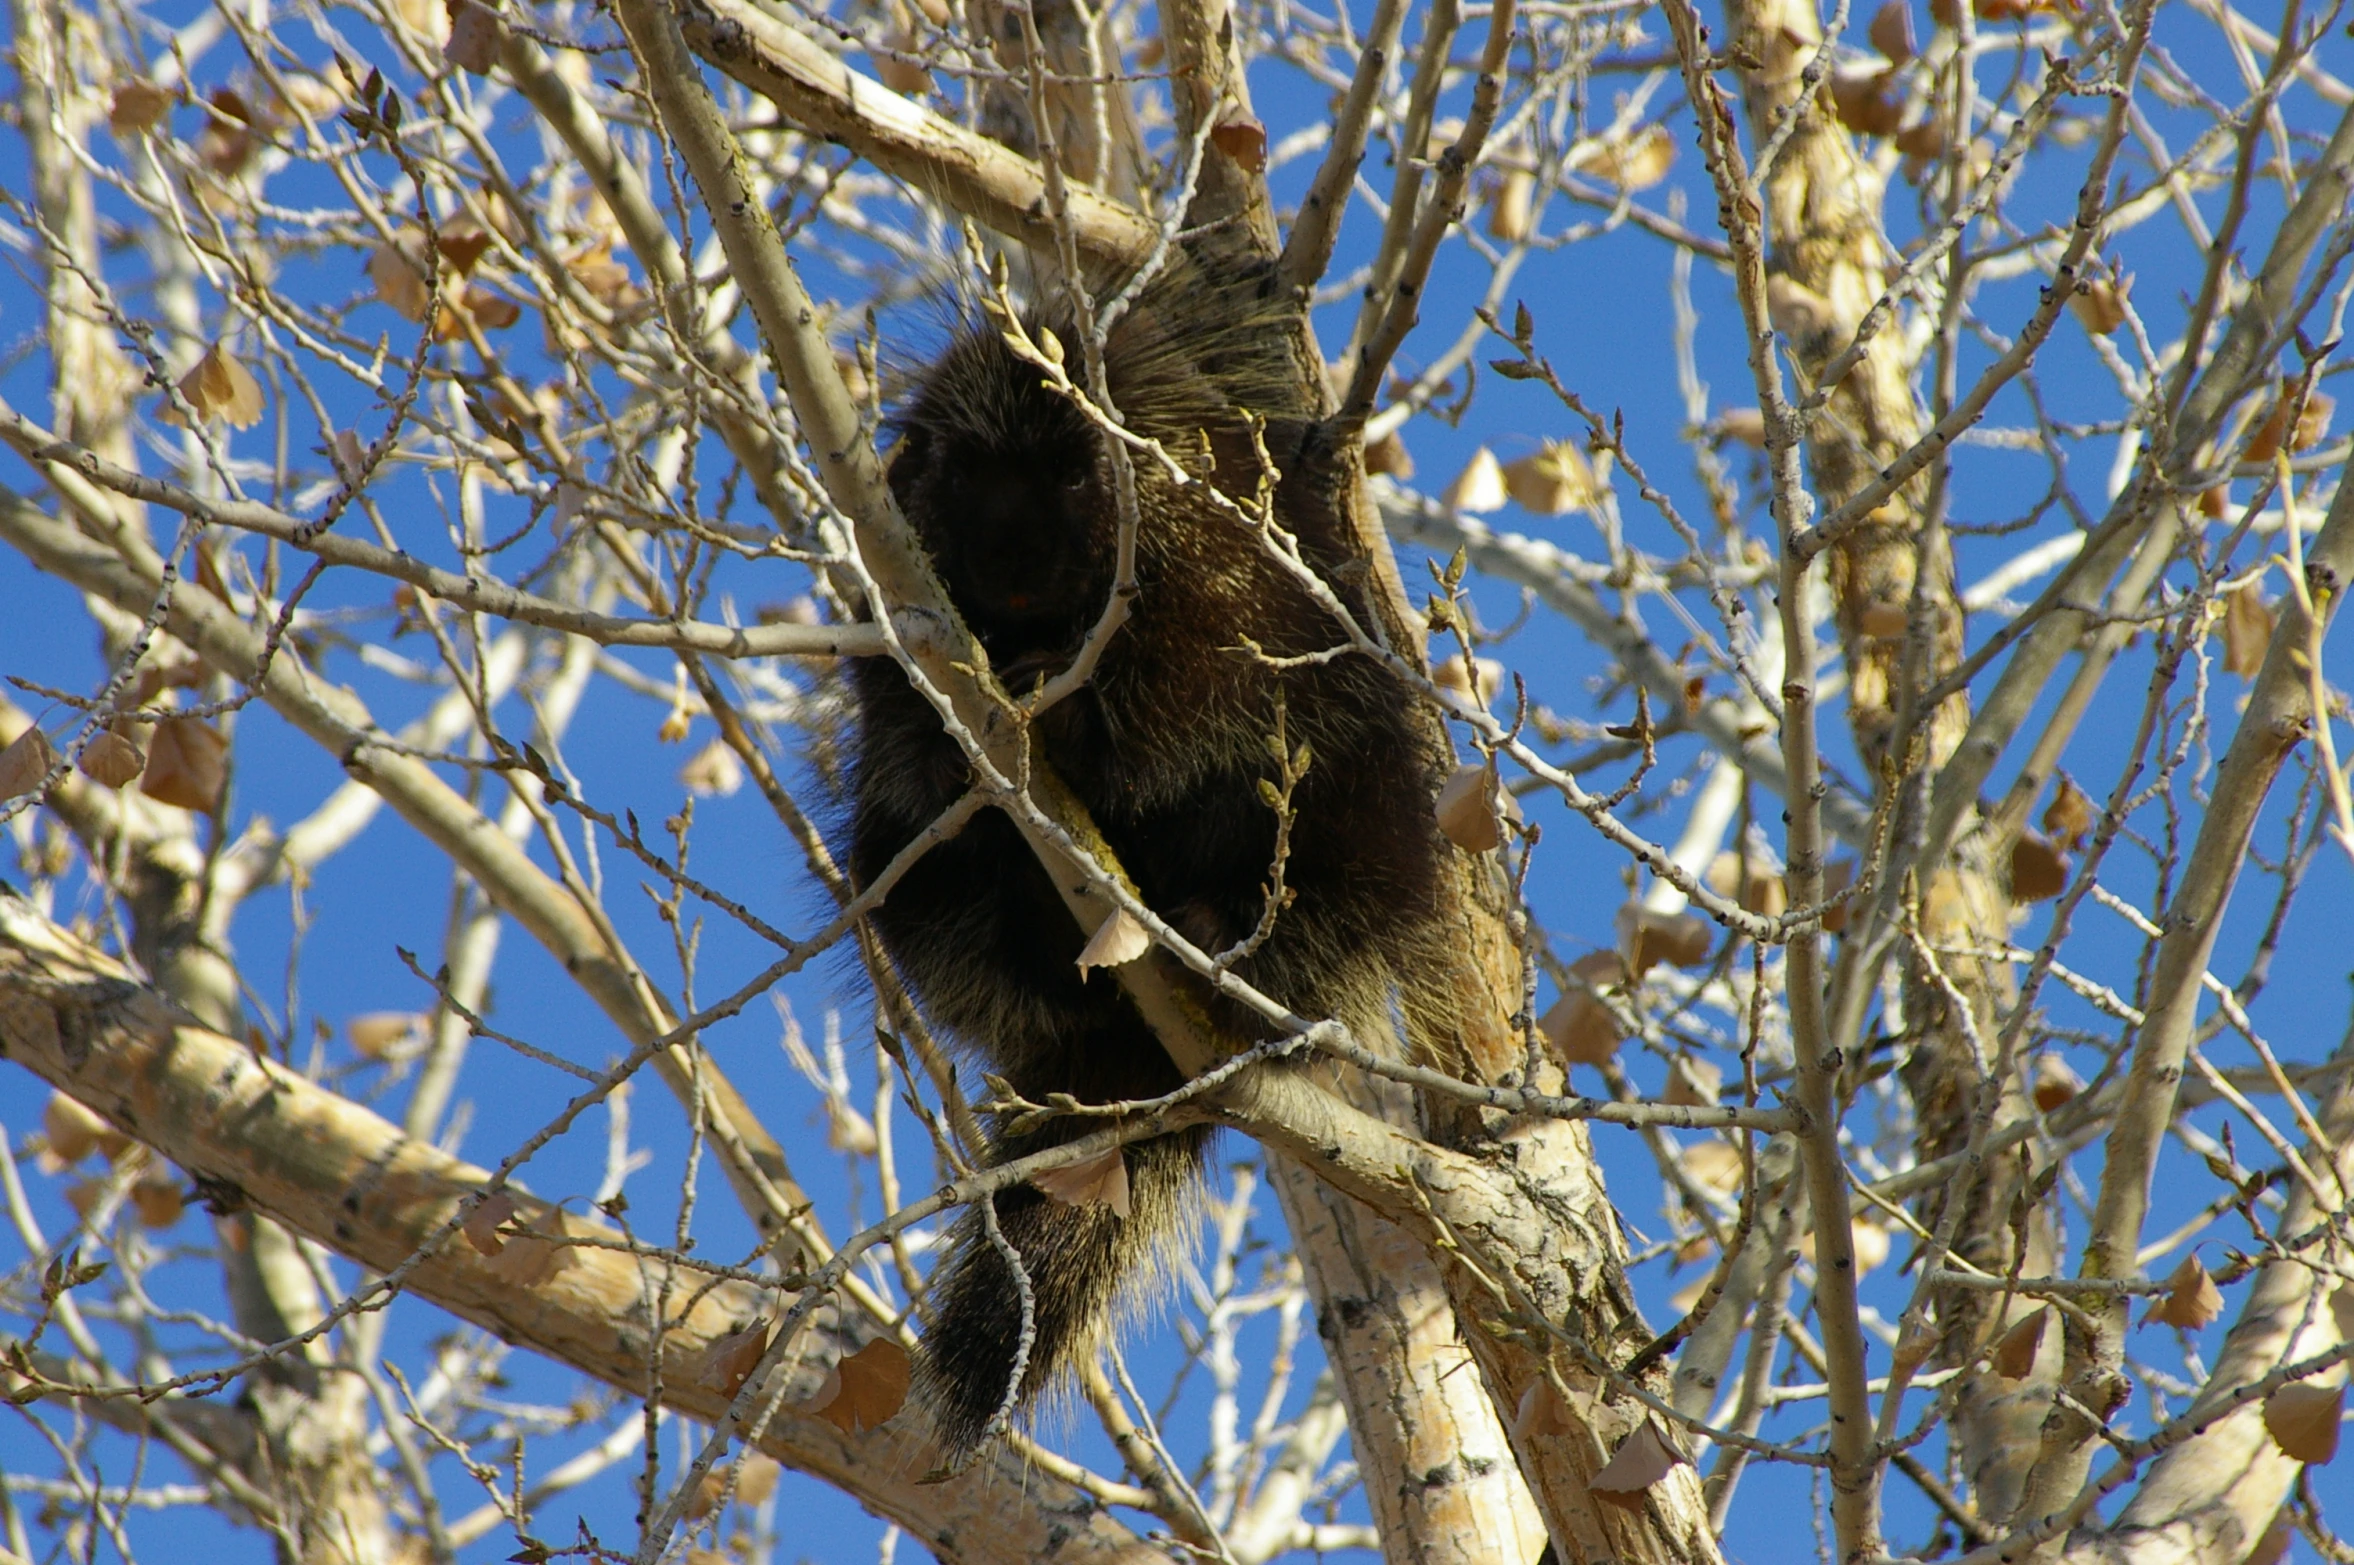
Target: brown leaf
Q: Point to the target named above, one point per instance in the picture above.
(1761, 891)
(1555, 480)
(1867, 1243)
(1924, 141)
(2191, 1300)
(2312, 426)
(1632, 163)
(1513, 207)
(483, 1224)
(136, 106)
(111, 760)
(1243, 139)
(71, 1131)
(2273, 1546)
(398, 270)
(1891, 31)
(872, 1387)
(26, 763)
(1117, 941)
(1471, 808)
(1389, 455)
(1579, 1026)
(1642, 1460)
(378, 1035)
(713, 771)
(2070, 814)
(1449, 676)
(2247, 631)
(1715, 1164)
(1101, 1180)
(217, 386)
(463, 246)
(2039, 870)
(1650, 938)
(2014, 1353)
(2302, 1419)
(187, 765)
(536, 1254)
(1540, 1411)
(729, 1362)
(228, 142)
(1693, 1083)
(2341, 1309)
(475, 32)
(1479, 488)
(2055, 1082)
(896, 70)
(1866, 104)
(157, 1197)
(1838, 875)
(2100, 303)
(1745, 425)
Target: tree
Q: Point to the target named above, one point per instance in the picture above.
(429, 390)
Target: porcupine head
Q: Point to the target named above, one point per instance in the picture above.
(1227, 744)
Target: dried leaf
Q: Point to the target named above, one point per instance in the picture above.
(756, 1477)
(1540, 1411)
(2014, 1353)
(1513, 208)
(71, 1131)
(187, 765)
(1649, 938)
(1923, 142)
(2302, 1419)
(26, 763)
(1744, 425)
(1243, 139)
(157, 1197)
(729, 1362)
(1555, 480)
(2039, 870)
(1581, 1029)
(1891, 31)
(538, 1253)
(379, 1035)
(2341, 1309)
(1471, 808)
(894, 67)
(1866, 103)
(1867, 1244)
(1714, 1164)
(483, 1224)
(1642, 1460)
(1117, 941)
(217, 386)
(463, 246)
(1101, 1180)
(136, 106)
(2191, 1301)
(474, 38)
(2311, 429)
(1838, 875)
(1479, 488)
(2055, 1082)
(227, 143)
(1632, 163)
(111, 760)
(1389, 455)
(1449, 676)
(870, 1386)
(2070, 814)
(2273, 1546)
(2100, 303)
(714, 770)
(1693, 1083)
(398, 270)
(2247, 631)
(1761, 891)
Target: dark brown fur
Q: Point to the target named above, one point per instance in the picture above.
(1010, 491)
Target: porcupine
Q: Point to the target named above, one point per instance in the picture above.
(1009, 487)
